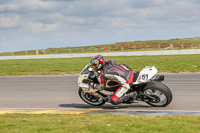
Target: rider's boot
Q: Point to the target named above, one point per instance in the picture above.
(124, 98)
(133, 97)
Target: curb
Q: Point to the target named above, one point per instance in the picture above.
(150, 112)
(16, 111)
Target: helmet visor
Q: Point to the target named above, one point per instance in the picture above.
(94, 66)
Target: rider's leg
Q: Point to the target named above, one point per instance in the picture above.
(118, 96)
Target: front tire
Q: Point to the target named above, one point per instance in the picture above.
(90, 99)
(161, 93)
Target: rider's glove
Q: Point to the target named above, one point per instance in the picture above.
(98, 87)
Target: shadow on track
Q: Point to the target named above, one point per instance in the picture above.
(107, 106)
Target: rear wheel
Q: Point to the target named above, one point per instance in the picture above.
(90, 99)
(160, 93)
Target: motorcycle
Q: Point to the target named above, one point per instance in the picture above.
(148, 85)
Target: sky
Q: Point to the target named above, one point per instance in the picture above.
(40, 24)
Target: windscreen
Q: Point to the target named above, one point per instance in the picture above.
(85, 69)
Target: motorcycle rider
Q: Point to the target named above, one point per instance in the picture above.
(110, 70)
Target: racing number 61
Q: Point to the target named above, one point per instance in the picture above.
(144, 76)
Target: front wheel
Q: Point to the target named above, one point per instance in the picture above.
(90, 99)
(162, 95)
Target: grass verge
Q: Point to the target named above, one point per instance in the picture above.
(164, 63)
(101, 123)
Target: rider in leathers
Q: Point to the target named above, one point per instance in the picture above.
(110, 70)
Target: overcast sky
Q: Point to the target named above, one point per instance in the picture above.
(38, 24)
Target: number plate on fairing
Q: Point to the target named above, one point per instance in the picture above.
(146, 74)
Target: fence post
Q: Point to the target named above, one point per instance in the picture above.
(82, 50)
(182, 46)
(95, 50)
(43, 51)
(171, 46)
(122, 48)
(158, 46)
(37, 52)
(134, 47)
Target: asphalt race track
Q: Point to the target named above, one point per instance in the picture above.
(60, 92)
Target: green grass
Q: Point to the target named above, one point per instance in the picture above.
(167, 63)
(98, 123)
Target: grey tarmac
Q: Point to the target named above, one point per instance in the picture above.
(60, 92)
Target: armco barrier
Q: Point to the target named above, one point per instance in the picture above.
(137, 53)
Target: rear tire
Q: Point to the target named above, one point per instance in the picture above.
(90, 99)
(160, 92)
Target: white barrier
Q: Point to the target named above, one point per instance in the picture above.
(136, 53)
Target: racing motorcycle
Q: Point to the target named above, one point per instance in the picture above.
(147, 84)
